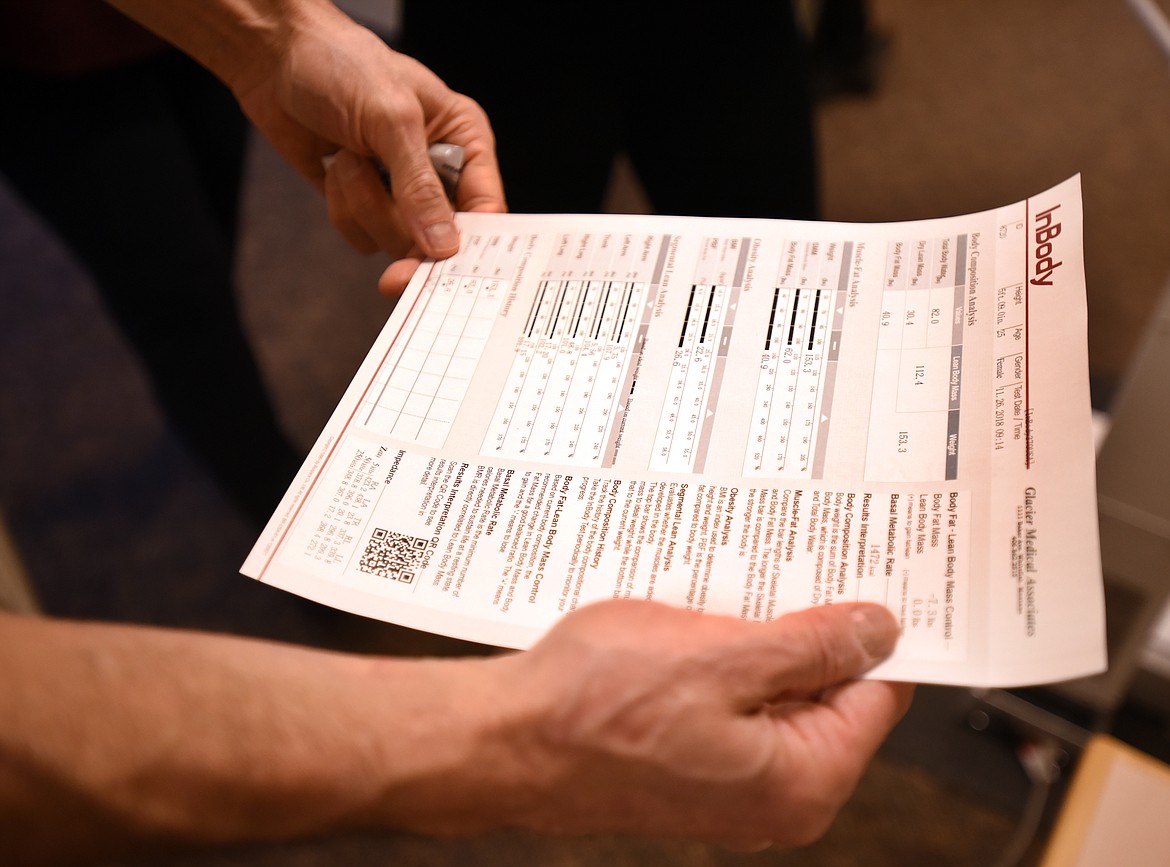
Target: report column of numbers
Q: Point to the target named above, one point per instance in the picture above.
(565, 381)
(787, 412)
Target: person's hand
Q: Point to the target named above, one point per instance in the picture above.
(643, 718)
(318, 84)
(693, 725)
(338, 89)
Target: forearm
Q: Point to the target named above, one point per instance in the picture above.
(235, 39)
(117, 737)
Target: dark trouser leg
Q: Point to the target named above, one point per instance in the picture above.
(111, 162)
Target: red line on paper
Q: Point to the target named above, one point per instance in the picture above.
(341, 435)
(1027, 341)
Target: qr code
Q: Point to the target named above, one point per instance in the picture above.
(394, 555)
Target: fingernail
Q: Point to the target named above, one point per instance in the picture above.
(876, 629)
(442, 237)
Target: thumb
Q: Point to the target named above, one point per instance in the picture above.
(422, 202)
(808, 651)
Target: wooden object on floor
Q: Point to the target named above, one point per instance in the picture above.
(1115, 812)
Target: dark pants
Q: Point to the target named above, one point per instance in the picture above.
(138, 171)
(709, 100)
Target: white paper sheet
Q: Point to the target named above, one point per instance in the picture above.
(742, 417)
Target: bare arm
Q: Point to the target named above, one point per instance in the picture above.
(316, 83)
(630, 717)
(118, 737)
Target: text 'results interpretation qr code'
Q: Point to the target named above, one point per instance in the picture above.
(394, 555)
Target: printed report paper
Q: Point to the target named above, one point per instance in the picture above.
(738, 417)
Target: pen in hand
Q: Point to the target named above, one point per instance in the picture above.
(446, 158)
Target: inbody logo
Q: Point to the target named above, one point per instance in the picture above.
(1046, 228)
